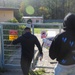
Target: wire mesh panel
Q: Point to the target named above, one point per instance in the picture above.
(11, 53)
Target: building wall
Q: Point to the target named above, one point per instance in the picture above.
(34, 20)
(6, 15)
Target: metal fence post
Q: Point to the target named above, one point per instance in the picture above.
(1, 64)
(2, 45)
(33, 28)
(60, 27)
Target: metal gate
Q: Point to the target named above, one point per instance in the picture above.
(10, 54)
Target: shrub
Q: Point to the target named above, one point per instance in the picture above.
(13, 20)
(37, 72)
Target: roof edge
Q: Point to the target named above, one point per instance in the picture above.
(8, 8)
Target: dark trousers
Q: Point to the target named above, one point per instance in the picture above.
(25, 66)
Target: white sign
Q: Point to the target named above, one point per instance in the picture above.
(47, 43)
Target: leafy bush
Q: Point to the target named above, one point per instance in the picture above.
(37, 72)
(13, 20)
(18, 15)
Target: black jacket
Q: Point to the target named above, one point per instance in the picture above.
(28, 41)
(63, 48)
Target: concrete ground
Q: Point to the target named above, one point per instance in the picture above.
(46, 64)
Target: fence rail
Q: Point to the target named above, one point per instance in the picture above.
(11, 52)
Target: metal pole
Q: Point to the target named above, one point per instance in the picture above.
(1, 47)
(0, 50)
(2, 41)
(60, 28)
(32, 28)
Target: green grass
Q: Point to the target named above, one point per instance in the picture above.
(37, 30)
(39, 72)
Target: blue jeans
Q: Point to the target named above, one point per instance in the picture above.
(64, 70)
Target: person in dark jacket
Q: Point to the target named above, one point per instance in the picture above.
(28, 42)
(63, 47)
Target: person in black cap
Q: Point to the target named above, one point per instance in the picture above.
(27, 41)
(63, 48)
